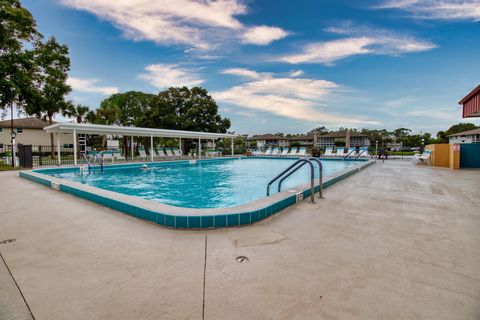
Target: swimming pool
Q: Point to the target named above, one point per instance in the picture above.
(221, 189)
(211, 184)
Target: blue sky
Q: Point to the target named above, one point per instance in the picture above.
(272, 66)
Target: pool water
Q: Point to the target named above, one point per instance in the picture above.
(206, 184)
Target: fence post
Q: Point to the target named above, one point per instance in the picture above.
(39, 155)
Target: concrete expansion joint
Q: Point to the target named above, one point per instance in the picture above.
(18, 287)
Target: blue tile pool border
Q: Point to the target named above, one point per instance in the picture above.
(196, 220)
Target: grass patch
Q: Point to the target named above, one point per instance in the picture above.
(5, 167)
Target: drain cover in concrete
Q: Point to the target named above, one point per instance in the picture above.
(241, 259)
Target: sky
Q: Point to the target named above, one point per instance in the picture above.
(279, 66)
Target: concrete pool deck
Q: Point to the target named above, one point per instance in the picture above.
(393, 241)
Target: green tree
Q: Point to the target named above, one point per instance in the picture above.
(125, 109)
(456, 128)
(18, 35)
(79, 112)
(442, 137)
(185, 109)
(53, 64)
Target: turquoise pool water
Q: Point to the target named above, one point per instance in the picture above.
(206, 184)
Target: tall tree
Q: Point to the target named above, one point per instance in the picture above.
(53, 65)
(80, 112)
(456, 128)
(124, 109)
(185, 109)
(18, 34)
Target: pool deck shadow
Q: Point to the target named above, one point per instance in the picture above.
(393, 241)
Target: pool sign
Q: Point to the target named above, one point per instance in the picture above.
(113, 144)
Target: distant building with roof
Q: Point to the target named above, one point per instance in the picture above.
(269, 140)
(304, 140)
(29, 131)
(470, 136)
(471, 104)
(356, 139)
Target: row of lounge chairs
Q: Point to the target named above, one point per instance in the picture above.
(351, 152)
(286, 152)
(116, 155)
(161, 153)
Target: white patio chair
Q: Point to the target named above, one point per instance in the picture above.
(293, 152)
(302, 152)
(328, 152)
(340, 152)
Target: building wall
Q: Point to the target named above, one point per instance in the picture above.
(468, 139)
(274, 143)
(330, 142)
(470, 155)
(440, 156)
(36, 137)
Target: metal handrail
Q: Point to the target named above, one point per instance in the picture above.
(312, 176)
(292, 171)
(348, 154)
(100, 161)
(320, 176)
(360, 153)
(86, 160)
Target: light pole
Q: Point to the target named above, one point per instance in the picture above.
(12, 135)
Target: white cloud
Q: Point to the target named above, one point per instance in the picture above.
(437, 9)
(432, 114)
(263, 35)
(246, 73)
(90, 86)
(296, 73)
(299, 99)
(199, 24)
(170, 75)
(361, 41)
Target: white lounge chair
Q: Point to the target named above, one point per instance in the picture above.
(142, 154)
(275, 152)
(177, 153)
(302, 152)
(293, 152)
(328, 152)
(340, 152)
(107, 155)
(422, 158)
(169, 153)
(117, 155)
(160, 154)
(268, 152)
(284, 152)
(257, 152)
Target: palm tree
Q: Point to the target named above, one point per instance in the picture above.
(80, 112)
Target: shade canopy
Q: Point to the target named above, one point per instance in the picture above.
(82, 128)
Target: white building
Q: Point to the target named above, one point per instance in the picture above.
(29, 131)
(471, 136)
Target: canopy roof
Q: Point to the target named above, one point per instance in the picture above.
(67, 127)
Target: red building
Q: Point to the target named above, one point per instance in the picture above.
(471, 104)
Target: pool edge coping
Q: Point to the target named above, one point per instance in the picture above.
(191, 218)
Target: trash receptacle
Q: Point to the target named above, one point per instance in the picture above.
(25, 155)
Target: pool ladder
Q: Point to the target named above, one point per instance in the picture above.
(293, 168)
(89, 164)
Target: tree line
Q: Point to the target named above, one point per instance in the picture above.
(33, 79)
